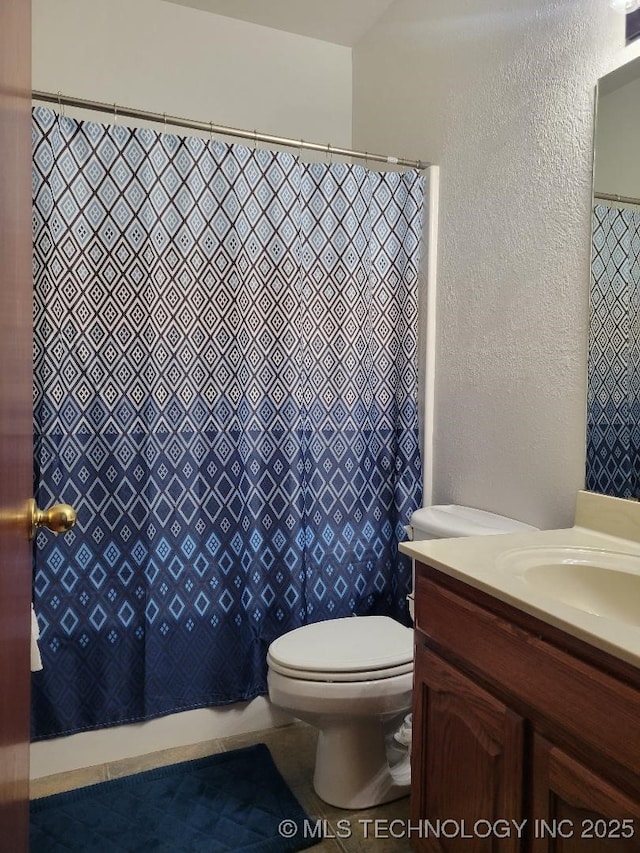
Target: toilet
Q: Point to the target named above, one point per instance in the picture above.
(352, 679)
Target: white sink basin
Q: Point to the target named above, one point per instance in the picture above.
(602, 583)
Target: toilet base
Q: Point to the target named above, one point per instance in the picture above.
(352, 767)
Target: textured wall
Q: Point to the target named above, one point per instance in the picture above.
(500, 94)
(167, 58)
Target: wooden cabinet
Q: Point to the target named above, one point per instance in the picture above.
(525, 740)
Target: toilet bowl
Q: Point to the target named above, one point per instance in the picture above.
(351, 678)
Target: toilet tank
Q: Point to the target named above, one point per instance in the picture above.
(449, 522)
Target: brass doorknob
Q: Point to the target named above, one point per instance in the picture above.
(58, 518)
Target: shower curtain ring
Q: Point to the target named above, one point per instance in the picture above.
(60, 106)
(255, 139)
(210, 131)
(115, 113)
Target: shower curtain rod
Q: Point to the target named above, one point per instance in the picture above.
(209, 127)
(622, 199)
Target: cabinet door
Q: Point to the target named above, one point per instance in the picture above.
(575, 810)
(467, 759)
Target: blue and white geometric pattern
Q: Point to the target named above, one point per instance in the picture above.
(225, 389)
(613, 410)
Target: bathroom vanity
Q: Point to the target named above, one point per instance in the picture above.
(527, 702)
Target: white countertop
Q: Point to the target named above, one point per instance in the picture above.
(603, 524)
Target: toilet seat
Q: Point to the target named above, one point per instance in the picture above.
(353, 648)
(350, 675)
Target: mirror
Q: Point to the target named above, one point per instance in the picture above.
(613, 401)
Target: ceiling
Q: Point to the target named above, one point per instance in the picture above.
(338, 21)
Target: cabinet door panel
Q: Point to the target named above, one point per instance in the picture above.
(470, 746)
(576, 811)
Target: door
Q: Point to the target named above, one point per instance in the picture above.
(575, 810)
(16, 457)
(467, 756)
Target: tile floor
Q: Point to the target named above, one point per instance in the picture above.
(293, 750)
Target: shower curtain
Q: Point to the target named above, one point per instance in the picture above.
(225, 389)
(613, 409)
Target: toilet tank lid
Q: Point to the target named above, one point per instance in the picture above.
(346, 644)
(449, 521)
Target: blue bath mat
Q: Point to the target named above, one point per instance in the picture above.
(232, 801)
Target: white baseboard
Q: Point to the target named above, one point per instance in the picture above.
(86, 749)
